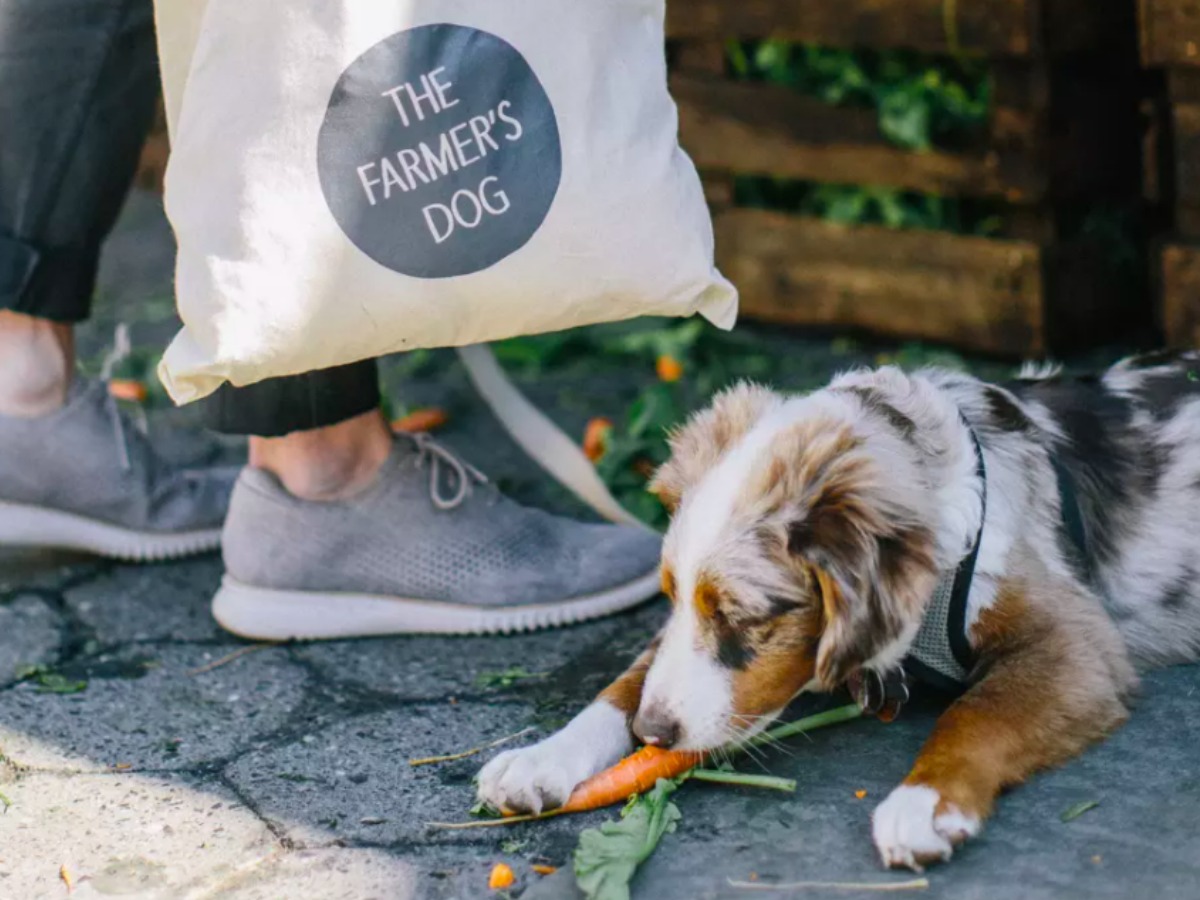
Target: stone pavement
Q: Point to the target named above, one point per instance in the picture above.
(172, 770)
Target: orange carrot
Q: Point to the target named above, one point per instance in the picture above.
(502, 877)
(544, 870)
(669, 368)
(633, 775)
(126, 389)
(595, 439)
(429, 419)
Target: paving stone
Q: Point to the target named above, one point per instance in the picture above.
(139, 837)
(142, 708)
(571, 664)
(30, 632)
(43, 569)
(331, 872)
(165, 601)
(352, 781)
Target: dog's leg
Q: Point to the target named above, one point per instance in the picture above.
(543, 775)
(1056, 680)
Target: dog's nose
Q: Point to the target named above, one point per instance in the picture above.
(656, 727)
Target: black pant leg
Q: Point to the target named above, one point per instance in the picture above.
(280, 406)
(78, 82)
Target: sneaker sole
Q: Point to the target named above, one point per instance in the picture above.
(279, 615)
(35, 526)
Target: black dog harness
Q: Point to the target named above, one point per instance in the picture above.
(940, 654)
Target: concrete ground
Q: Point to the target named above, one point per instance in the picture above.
(173, 769)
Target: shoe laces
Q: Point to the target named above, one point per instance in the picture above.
(443, 461)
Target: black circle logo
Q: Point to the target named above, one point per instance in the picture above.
(440, 153)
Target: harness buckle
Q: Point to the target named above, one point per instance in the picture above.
(880, 695)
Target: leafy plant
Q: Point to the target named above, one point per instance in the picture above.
(506, 678)
(608, 856)
(50, 682)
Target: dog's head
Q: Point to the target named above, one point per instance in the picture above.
(799, 551)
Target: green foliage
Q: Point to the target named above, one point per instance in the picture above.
(922, 102)
(608, 856)
(50, 682)
(506, 678)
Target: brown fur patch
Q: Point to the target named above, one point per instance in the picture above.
(784, 662)
(626, 692)
(667, 576)
(707, 598)
(699, 445)
(1056, 680)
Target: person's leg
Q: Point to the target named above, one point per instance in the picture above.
(78, 81)
(321, 434)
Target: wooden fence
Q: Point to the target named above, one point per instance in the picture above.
(1170, 36)
(1062, 131)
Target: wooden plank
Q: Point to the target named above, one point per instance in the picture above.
(994, 28)
(977, 293)
(1186, 125)
(1170, 32)
(772, 130)
(1181, 295)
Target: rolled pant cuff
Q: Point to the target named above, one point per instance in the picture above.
(50, 283)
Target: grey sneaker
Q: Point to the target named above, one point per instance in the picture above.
(429, 547)
(84, 478)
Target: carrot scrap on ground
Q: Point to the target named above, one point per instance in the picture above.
(859, 795)
(596, 437)
(64, 875)
(544, 870)
(669, 368)
(429, 419)
(502, 876)
(127, 389)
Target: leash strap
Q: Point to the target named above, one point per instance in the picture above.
(540, 438)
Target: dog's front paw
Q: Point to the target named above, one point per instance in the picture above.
(530, 779)
(913, 827)
(542, 777)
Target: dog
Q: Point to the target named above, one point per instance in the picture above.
(1035, 542)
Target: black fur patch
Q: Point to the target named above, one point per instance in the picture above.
(1163, 393)
(733, 649)
(1179, 592)
(1005, 415)
(1105, 456)
(875, 403)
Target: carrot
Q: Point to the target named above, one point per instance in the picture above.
(429, 419)
(669, 369)
(595, 439)
(544, 870)
(127, 389)
(634, 774)
(502, 877)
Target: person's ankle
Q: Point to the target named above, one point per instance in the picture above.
(37, 359)
(332, 463)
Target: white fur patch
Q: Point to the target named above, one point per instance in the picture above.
(909, 832)
(689, 686)
(543, 775)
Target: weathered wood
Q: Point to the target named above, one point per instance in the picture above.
(1170, 32)
(979, 293)
(1181, 295)
(995, 28)
(1186, 126)
(772, 130)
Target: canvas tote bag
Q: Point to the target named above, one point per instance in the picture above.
(351, 178)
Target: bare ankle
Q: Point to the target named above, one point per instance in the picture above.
(37, 358)
(330, 463)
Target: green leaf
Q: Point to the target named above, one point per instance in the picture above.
(1079, 809)
(905, 118)
(608, 856)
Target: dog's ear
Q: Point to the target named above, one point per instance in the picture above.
(699, 444)
(858, 541)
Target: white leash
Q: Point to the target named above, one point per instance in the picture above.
(540, 438)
